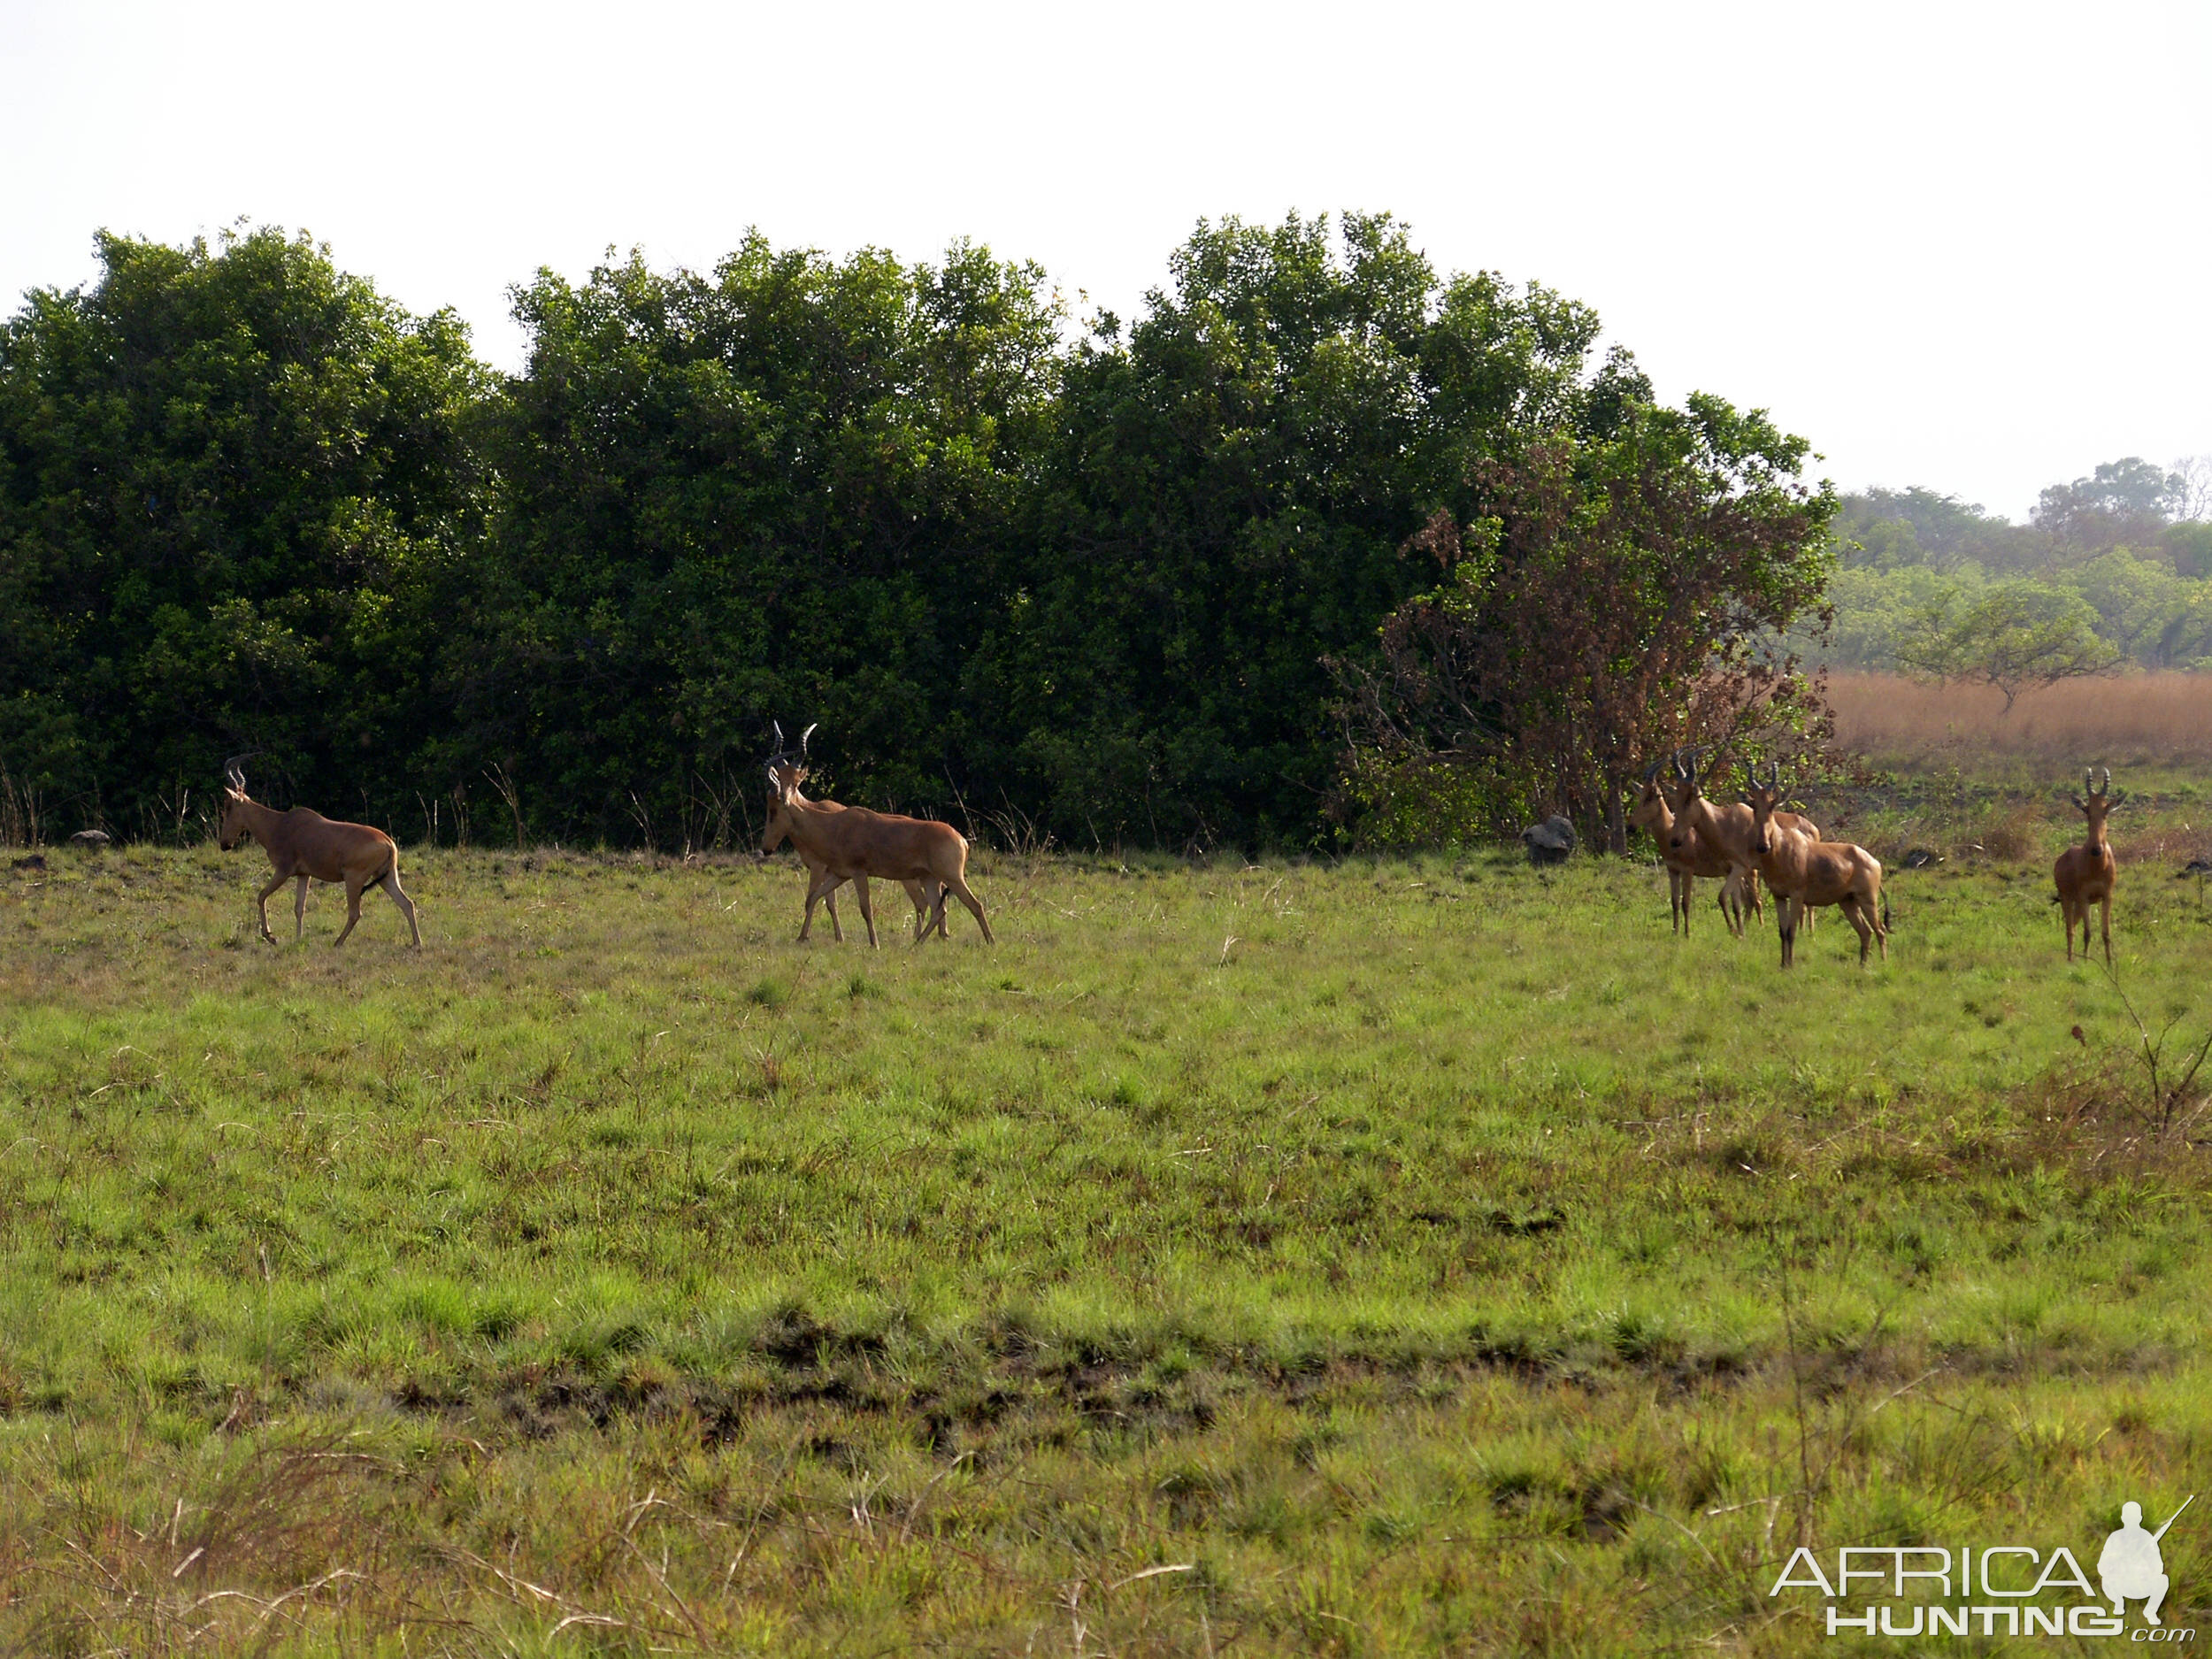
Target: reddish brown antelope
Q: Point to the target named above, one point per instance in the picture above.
(1804, 873)
(1652, 813)
(306, 845)
(1727, 827)
(852, 844)
(2085, 874)
(778, 830)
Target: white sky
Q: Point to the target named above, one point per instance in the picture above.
(1968, 246)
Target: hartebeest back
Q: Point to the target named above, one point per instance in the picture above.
(778, 830)
(1803, 874)
(842, 843)
(2086, 874)
(306, 845)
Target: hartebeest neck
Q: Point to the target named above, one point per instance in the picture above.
(260, 820)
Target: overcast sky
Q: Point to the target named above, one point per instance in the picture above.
(1968, 246)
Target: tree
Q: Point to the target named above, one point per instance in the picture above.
(231, 481)
(786, 490)
(1609, 600)
(2189, 489)
(2122, 503)
(1231, 480)
(2015, 636)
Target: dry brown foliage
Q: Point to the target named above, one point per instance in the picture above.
(2139, 720)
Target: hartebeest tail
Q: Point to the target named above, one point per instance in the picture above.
(1803, 874)
(305, 846)
(852, 844)
(2086, 874)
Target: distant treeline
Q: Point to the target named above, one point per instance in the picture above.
(1121, 581)
(2115, 568)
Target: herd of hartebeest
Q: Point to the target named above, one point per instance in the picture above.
(1746, 845)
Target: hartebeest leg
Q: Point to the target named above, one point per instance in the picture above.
(1785, 924)
(1854, 911)
(867, 912)
(261, 904)
(819, 890)
(959, 886)
(2107, 908)
(919, 892)
(354, 889)
(299, 911)
(390, 884)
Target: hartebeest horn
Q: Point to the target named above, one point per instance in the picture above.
(778, 727)
(232, 773)
(803, 738)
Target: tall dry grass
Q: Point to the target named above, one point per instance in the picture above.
(2141, 719)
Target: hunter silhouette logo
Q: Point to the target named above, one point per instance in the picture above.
(2131, 1566)
(1993, 1589)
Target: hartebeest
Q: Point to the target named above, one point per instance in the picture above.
(1804, 873)
(1684, 865)
(306, 845)
(1727, 827)
(778, 830)
(841, 843)
(2085, 874)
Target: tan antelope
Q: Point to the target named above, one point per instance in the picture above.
(1727, 827)
(851, 844)
(2085, 874)
(1651, 814)
(306, 845)
(1805, 874)
(778, 830)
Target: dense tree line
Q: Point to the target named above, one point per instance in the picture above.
(1127, 580)
(2111, 571)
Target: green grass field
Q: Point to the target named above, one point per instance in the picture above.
(1383, 1257)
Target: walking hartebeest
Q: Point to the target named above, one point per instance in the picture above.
(304, 846)
(1726, 827)
(844, 843)
(1700, 857)
(2085, 874)
(1804, 873)
(777, 829)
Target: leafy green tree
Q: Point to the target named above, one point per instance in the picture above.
(2014, 635)
(787, 490)
(1612, 599)
(2140, 605)
(1223, 507)
(232, 481)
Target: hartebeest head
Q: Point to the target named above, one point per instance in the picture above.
(1682, 793)
(233, 828)
(1763, 799)
(2097, 803)
(785, 775)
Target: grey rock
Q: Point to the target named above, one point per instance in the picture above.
(1549, 843)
